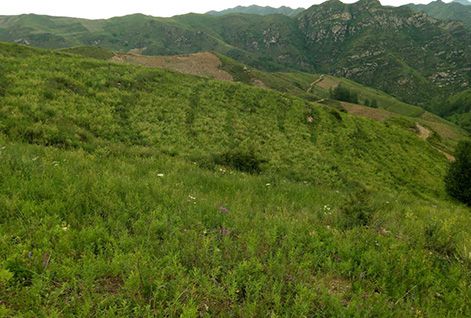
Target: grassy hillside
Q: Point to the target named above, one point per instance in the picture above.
(128, 191)
(312, 87)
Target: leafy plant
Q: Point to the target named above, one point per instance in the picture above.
(344, 94)
(458, 179)
(245, 161)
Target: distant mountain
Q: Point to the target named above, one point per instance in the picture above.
(405, 53)
(459, 10)
(463, 2)
(254, 9)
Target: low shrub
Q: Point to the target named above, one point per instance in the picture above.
(358, 210)
(244, 161)
(458, 179)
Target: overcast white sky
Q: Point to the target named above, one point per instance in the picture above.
(95, 9)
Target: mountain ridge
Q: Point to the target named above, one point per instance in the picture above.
(260, 10)
(456, 10)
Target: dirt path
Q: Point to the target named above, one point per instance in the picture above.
(425, 133)
(320, 79)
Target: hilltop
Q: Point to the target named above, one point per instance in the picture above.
(134, 191)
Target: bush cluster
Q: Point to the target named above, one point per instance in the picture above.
(458, 179)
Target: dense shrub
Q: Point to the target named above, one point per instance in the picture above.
(62, 83)
(358, 209)
(3, 82)
(344, 94)
(241, 160)
(440, 240)
(458, 179)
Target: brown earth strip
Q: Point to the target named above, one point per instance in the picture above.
(204, 64)
(368, 112)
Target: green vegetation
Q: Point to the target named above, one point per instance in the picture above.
(458, 179)
(344, 94)
(383, 100)
(456, 108)
(91, 51)
(309, 86)
(132, 192)
(459, 107)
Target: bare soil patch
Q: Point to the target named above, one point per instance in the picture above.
(422, 132)
(204, 64)
(368, 112)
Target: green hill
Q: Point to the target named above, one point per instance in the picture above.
(312, 87)
(128, 191)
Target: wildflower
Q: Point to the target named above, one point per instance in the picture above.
(64, 226)
(224, 231)
(191, 197)
(268, 184)
(160, 175)
(310, 119)
(223, 209)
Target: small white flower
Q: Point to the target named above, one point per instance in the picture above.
(191, 197)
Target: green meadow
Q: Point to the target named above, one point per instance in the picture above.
(135, 192)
